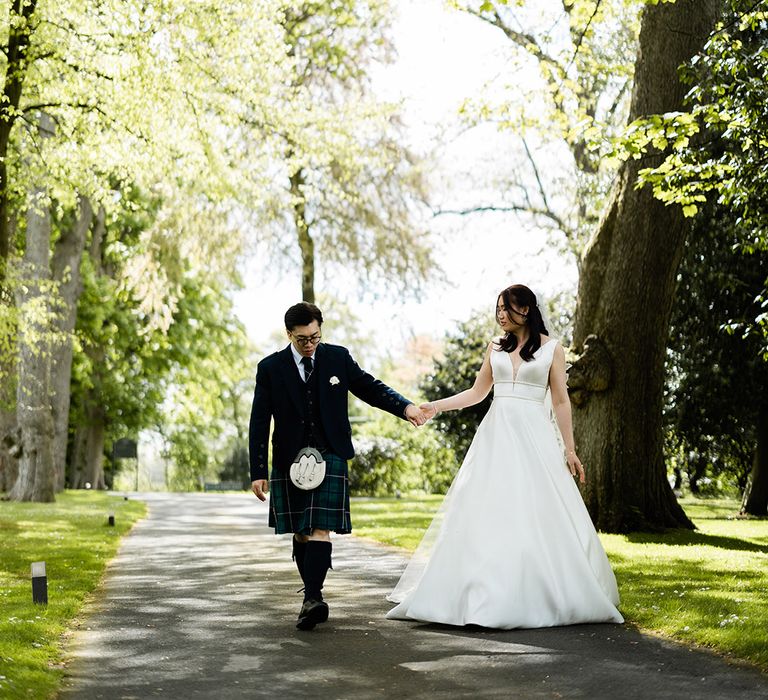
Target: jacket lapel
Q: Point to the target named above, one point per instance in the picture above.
(292, 379)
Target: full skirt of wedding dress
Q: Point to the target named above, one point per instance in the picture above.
(513, 544)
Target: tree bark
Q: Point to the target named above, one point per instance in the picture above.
(757, 499)
(19, 36)
(9, 441)
(76, 463)
(306, 244)
(625, 298)
(87, 460)
(66, 272)
(35, 481)
(93, 469)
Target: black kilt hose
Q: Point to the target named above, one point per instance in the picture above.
(325, 507)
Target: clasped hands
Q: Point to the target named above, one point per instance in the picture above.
(418, 415)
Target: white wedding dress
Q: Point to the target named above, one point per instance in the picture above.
(512, 544)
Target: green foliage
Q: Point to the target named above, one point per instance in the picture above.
(344, 184)
(392, 456)
(185, 376)
(462, 358)
(187, 450)
(715, 149)
(717, 375)
(73, 539)
(205, 404)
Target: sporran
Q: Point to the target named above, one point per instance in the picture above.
(308, 469)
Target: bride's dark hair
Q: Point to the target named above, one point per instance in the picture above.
(520, 295)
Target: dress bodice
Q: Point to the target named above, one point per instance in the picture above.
(531, 378)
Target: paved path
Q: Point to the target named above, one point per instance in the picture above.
(200, 603)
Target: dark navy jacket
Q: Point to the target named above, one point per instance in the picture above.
(279, 395)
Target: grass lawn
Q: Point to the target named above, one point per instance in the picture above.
(73, 539)
(707, 587)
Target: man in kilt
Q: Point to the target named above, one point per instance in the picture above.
(304, 388)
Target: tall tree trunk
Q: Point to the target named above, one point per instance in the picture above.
(76, 464)
(93, 469)
(35, 481)
(9, 434)
(19, 35)
(757, 499)
(626, 289)
(9, 446)
(306, 244)
(87, 461)
(66, 272)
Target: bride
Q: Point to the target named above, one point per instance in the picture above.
(513, 544)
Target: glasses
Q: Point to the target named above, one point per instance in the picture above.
(307, 340)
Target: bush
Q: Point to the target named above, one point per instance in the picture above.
(394, 456)
(464, 351)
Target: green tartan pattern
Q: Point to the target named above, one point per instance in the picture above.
(323, 508)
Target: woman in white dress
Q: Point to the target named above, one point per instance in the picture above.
(513, 544)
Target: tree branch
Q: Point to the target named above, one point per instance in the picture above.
(516, 208)
(524, 41)
(536, 174)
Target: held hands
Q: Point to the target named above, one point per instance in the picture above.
(260, 488)
(575, 466)
(415, 415)
(429, 410)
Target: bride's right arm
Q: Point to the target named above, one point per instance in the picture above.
(469, 397)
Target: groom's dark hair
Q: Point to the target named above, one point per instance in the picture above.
(302, 314)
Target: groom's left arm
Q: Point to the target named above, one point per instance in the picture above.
(373, 391)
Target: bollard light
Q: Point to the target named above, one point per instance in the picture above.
(111, 520)
(39, 583)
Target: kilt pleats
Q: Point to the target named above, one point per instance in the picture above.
(323, 508)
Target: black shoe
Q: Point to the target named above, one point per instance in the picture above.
(312, 613)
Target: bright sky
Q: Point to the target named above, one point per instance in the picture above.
(443, 57)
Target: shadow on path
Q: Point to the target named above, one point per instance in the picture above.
(201, 602)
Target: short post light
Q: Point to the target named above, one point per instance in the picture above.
(39, 583)
(111, 519)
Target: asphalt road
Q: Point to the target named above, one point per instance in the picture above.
(201, 602)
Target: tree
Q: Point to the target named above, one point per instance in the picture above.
(16, 50)
(206, 391)
(35, 481)
(178, 370)
(624, 303)
(717, 376)
(580, 53)
(99, 73)
(352, 190)
(717, 144)
(65, 269)
(715, 149)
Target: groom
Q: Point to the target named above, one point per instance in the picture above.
(304, 388)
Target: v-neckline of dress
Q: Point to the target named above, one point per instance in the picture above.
(516, 371)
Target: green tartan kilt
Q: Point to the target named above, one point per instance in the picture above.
(325, 507)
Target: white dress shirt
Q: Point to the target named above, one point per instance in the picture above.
(297, 358)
